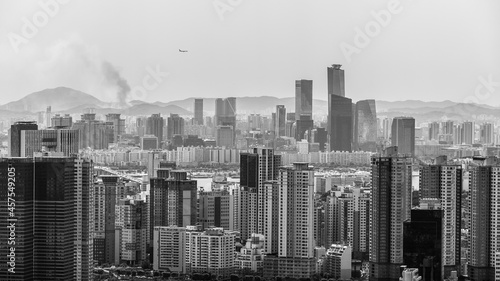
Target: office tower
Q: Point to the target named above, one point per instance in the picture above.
(303, 107)
(336, 84)
(149, 142)
(47, 227)
(365, 128)
(391, 206)
(279, 129)
(403, 135)
(225, 136)
(338, 261)
(423, 243)
(295, 232)
(15, 136)
(484, 222)
(198, 111)
(487, 135)
(434, 131)
(468, 131)
(61, 122)
(65, 142)
(48, 116)
(118, 125)
(154, 126)
(215, 209)
(94, 134)
(256, 169)
(225, 113)
(175, 126)
(173, 200)
(340, 115)
(131, 229)
(303, 98)
(210, 251)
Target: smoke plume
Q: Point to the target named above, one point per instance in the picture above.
(114, 77)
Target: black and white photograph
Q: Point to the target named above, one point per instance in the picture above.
(250, 140)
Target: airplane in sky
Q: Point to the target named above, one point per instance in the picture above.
(182, 51)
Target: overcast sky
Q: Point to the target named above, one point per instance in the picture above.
(428, 50)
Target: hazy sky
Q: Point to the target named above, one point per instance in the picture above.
(428, 50)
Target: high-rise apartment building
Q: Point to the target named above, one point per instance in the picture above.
(295, 228)
(172, 200)
(443, 183)
(210, 251)
(256, 169)
(175, 126)
(117, 124)
(46, 233)
(94, 133)
(198, 111)
(340, 113)
(215, 209)
(391, 206)
(131, 230)
(154, 126)
(303, 107)
(61, 122)
(434, 131)
(484, 223)
(403, 135)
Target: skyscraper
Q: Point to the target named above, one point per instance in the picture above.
(15, 136)
(303, 108)
(365, 128)
(175, 125)
(225, 113)
(154, 126)
(340, 115)
(198, 111)
(295, 229)
(403, 135)
(280, 122)
(391, 206)
(61, 122)
(485, 222)
(173, 200)
(443, 183)
(257, 169)
(303, 98)
(434, 131)
(47, 230)
(118, 125)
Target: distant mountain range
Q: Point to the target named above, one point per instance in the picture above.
(69, 101)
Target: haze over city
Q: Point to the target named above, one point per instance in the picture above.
(426, 50)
